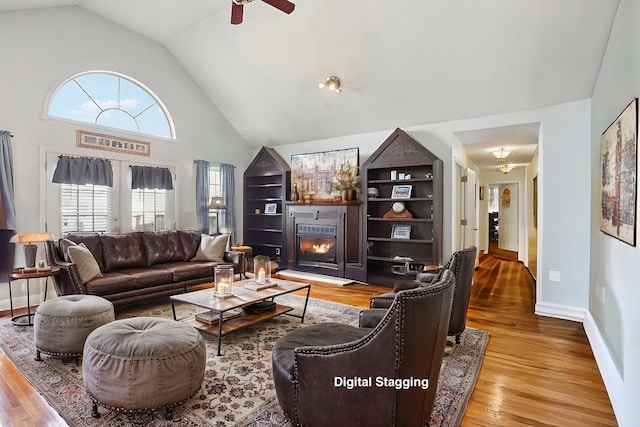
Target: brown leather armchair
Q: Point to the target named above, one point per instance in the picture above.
(462, 264)
(332, 374)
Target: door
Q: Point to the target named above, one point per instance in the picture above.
(468, 210)
(508, 217)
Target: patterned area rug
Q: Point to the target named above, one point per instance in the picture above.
(238, 387)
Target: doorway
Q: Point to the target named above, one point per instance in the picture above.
(503, 220)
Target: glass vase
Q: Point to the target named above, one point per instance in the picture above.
(262, 271)
(223, 276)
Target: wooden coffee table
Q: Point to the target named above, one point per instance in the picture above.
(241, 297)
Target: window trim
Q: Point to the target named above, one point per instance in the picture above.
(53, 90)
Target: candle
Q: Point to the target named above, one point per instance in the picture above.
(261, 275)
(223, 287)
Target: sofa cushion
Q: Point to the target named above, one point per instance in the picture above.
(86, 264)
(111, 283)
(121, 251)
(92, 242)
(156, 248)
(186, 270)
(211, 248)
(174, 244)
(146, 277)
(190, 242)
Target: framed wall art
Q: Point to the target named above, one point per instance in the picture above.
(112, 143)
(270, 208)
(619, 166)
(318, 174)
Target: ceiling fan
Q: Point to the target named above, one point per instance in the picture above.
(238, 5)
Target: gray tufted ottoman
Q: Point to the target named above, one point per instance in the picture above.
(143, 364)
(61, 325)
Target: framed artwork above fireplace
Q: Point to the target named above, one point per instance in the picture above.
(314, 174)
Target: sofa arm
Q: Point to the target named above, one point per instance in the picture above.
(67, 281)
(237, 259)
(370, 318)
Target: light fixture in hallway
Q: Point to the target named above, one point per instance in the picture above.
(502, 154)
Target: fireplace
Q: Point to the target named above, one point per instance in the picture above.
(317, 245)
(324, 238)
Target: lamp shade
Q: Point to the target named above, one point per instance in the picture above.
(217, 203)
(30, 238)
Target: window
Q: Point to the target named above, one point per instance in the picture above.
(111, 100)
(215, 189)
(148, 209)
(85, 208)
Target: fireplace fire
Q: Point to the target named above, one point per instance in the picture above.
(316, 244)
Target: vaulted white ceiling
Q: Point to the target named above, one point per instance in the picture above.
(402, 63)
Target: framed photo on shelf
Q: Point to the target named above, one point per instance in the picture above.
(270, 208)
(401, 232)
(401, 192)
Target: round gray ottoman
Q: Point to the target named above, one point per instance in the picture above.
(143, 364)
(61, 325)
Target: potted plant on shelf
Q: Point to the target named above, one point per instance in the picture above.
(347, 182)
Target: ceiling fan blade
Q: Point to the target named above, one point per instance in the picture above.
(284, 5)
(236, 13)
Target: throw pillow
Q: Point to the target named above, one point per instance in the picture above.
(85, 262)
(64, 246)
(211, 248)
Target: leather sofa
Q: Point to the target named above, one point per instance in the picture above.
(136, 266)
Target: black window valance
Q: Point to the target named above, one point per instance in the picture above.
(83, 170)
(151, 178)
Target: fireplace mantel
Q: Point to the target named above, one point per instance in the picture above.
(346, 217)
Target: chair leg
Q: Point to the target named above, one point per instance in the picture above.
(458, 338)
(38, 358)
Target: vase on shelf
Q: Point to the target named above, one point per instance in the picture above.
(348, 194)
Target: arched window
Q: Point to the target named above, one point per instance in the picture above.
(109, 99)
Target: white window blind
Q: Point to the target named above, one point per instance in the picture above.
(85, 208)
(148, 209)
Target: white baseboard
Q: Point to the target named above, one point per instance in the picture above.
(613, 381)
(560, 311)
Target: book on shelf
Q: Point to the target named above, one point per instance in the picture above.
(212, 317)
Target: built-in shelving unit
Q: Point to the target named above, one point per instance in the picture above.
(418, 237)
(267, 181)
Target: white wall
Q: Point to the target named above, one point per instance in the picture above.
(613, 323)
(41, 48)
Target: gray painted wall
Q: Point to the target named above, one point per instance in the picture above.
(614, 264)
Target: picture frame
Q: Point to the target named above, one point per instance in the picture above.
(114, 144)
(315, 173)
(401, 232)
(270, 208)
(619, 166)
(401, 192)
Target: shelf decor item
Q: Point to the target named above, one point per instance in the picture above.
(270, 208)
(401, 192)
(619, 170)
(401, 232)
(223, 276)
(262, 269)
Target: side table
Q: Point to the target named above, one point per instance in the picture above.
(20, 274)
(248, 258)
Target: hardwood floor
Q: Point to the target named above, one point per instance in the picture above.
(537, 371)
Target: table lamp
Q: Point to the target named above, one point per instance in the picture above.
(217, 205)
(29, 248)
